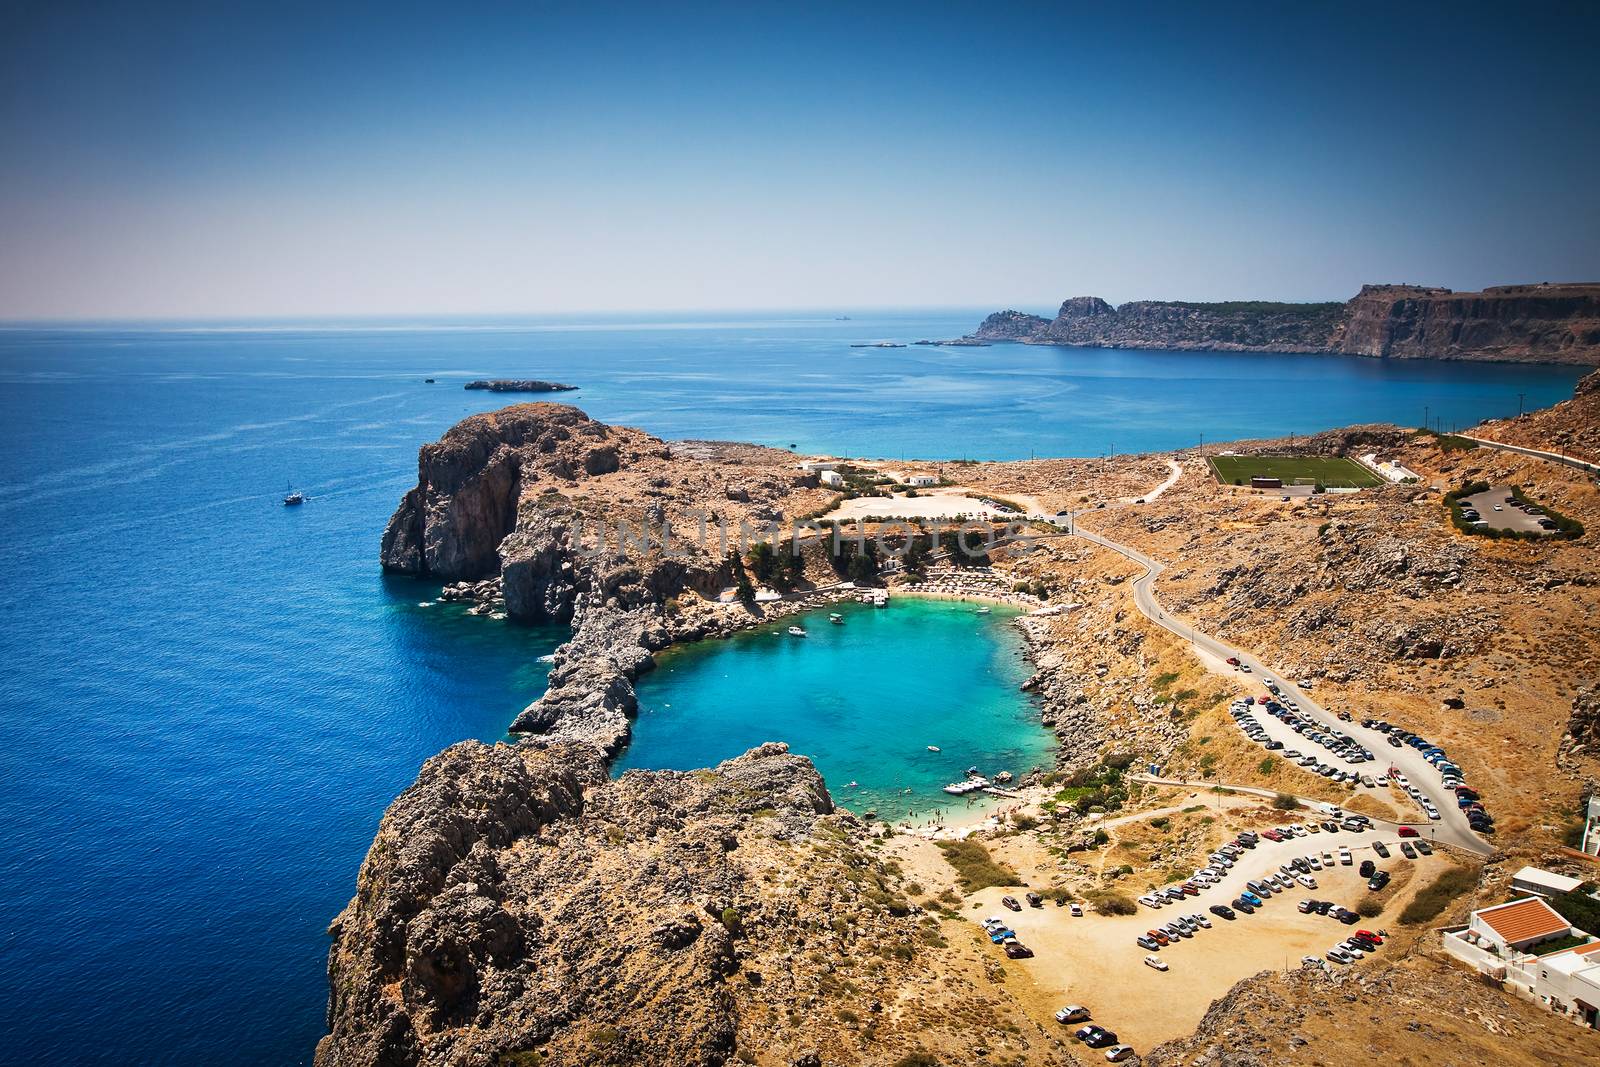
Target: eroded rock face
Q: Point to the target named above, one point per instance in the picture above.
(516, 899)
(470, 483)
(1535, 323)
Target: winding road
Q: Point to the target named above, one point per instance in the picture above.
(1553, 457)
(1450, 829)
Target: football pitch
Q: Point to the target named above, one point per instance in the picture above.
(1333, 472)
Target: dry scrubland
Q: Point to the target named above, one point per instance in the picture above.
(758, 926)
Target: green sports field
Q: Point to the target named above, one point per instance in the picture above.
(1332, 472)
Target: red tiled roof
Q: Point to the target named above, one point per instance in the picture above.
(1524, 920)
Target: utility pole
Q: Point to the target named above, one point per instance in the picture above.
(1519, 405)
(1424, 416)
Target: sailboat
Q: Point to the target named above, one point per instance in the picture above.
(293, 498)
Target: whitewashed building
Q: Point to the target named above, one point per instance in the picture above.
(1544, 883)
(1505, 943)
(922, 481)
(831, 478)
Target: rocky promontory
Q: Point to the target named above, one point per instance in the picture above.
(1542, 323)
(519, 385)
(518, 906)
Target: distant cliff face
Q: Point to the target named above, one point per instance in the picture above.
(1525, 323)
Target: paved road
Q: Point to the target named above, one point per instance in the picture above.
(1553, 457)
(1452, 829)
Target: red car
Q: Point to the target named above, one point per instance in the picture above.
(1370, 936)
(1159, 937)
(1406, 831)
(1233, 661)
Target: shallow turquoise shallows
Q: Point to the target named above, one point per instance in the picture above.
(864, 699)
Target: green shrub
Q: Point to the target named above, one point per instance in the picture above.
(1434, 898)
(1285, 802)
(975, 868)
(1109, 903)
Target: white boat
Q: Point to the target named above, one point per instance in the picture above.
(836, 618)
(933, 748)
(797, 631)
(983, 611)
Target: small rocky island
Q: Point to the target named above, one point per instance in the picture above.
(519, 385)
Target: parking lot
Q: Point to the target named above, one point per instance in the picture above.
(1494, 507)
(1094, 960)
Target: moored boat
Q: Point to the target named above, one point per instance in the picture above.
(797, 631)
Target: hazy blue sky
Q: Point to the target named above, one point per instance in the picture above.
(216, 159)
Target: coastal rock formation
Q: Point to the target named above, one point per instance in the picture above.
(470, 482)
(1088, 321)
(519, 907)
(519, 385)
(1523, 323)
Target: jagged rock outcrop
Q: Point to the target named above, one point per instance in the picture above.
(1524, 323)
(517, 906)
(471, 481)
(1583, 728)
(1088, 321)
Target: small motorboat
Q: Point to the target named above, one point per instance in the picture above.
(427, 381)
(933, 748)
(797, 631)
(972, 772)
(983, 611)
(836, 618)
(294, 498)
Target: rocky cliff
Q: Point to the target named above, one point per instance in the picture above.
(1523, 323)
(517, 906)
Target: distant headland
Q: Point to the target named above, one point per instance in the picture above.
(1541, 323)
(519, 385)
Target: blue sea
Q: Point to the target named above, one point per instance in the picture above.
(864, 698)
(209, 699)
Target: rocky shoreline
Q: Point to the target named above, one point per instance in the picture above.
(1511, 323)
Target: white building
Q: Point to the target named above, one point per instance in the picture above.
(1544, 883)
(922, 481)
(1503, 943)
(817, 466)
(832, 479)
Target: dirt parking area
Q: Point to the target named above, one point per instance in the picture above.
(1094, 961)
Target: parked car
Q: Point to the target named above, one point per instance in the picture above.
(1381, 849)
(1072, 1013)
(1407, 831)
(1118, 1053)
(1011, 902)
(1424, 848)
(1077, 909)
(1157, 962)
(1222, 911)
(1338, 956)
(999, 936)
(1407, 851)
(1378, 880)
(1035, 900)
(1018, 951)
(1145, 941)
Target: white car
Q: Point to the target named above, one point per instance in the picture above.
(1157, 962)
(1149, 901)
(1118, 1053)
(1307, 881)
(1345, 859)
(1072, 1013)
(1077, 909)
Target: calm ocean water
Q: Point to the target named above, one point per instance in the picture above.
(209, 699)
(863, 699)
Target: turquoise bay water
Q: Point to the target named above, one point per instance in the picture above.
(864, 700)
(208, 700)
